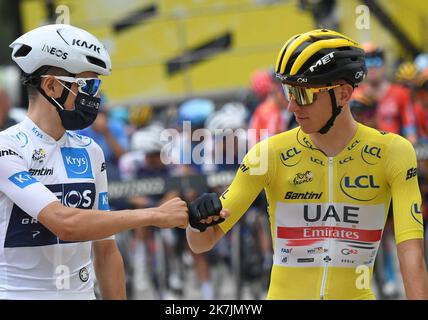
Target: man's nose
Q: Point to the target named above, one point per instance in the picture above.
(292, 105)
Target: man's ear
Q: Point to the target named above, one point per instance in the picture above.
(50, 86)
(344, 94)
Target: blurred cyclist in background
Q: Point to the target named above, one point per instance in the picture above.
(268, 118)
(5, 105)
(394, 103)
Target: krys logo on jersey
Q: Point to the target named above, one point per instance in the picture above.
(360, 188)
(77, 163)
(342, 223)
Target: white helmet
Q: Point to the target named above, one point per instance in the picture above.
(62, 46)
(148, 139)
(231, 116)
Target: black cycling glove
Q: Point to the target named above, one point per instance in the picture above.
(207, 205)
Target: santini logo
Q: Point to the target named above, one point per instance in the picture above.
(9, 152)
(41, 172)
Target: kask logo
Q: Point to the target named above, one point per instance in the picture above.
(83, 43)
(77, 163)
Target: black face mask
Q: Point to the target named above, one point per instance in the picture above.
(85, 109)
(84, 114)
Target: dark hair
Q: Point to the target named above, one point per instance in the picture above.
(33, 81)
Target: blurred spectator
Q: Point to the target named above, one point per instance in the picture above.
(323, 11)
(394, 103)
(363, 107)
(269, 113)
(421, 107)
(421, 61)
(111, 135)
(406, 73)
(193, 112)
(139, 115)
(5, 105)
(228, 127)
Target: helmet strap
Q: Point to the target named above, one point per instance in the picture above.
(58, 103)
(335, 112)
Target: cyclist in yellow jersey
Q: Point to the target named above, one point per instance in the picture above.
(329, 184)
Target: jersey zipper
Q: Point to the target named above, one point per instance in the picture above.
(330, 200)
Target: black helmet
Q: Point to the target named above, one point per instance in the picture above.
(319, 57)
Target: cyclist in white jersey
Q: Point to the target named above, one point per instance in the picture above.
(53, 182)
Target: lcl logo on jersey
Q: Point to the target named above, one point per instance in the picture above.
(416, 212)
(77, 163)
(291, 157)
(371, 154)
(361, 188)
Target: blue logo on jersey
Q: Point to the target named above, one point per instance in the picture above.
(83, 141)
(37, 132)
(22, 179)
(77, 163)
(22, 139)
(103, 201)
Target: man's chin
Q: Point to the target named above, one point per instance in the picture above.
(307, 129)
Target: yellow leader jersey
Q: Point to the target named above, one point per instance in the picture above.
(327, 214)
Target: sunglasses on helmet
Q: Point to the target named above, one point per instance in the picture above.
(88, 86)
(304, 96)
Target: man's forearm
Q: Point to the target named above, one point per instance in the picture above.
(415, 281)
(110, 273)
(202, 241)
(413, 269)
(81, 225)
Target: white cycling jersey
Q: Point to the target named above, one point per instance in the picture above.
(36, 170)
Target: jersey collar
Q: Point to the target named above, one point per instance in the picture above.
(39, 134)
(306, 141)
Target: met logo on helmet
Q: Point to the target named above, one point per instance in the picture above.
(323, 61)
(55, 52)
(82, 43)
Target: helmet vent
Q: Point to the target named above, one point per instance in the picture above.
(96, 61)
(23, 51)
